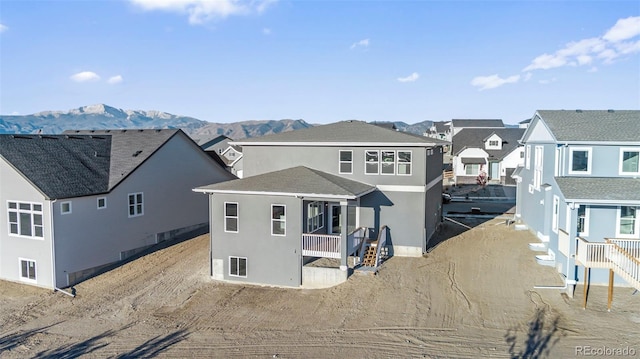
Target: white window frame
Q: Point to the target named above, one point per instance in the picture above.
(284, 221)
(341, 162)
(587, 214)
(538, 167)
(237, 269)
(391, 164)
(32, 212)
(135, 204)
(588, 150)
(35, 270)
(236, 217)
(555, 218)
(98, 202)
(527, 153)
(410, 163)
(376, 162)
(622, 151)
(62, 205)
(315, 221)
(470, 165)
(636, 225)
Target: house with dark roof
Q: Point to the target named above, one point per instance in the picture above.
(495, 152)
(83, 201)
(440, 130)
(347, 190)
(579, 192)
(226, 154)
(458, 125)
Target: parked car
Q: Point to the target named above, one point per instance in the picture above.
(446, 198)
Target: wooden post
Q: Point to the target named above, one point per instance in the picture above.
(586, 286)
(610, 290)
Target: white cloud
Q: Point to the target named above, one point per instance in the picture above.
(616, 42)
(527, 76)
(266, 31)
(546, 82)
(85, 76)
(624, 29)
(411, 78)
(3, 28)
(361, 43)
(493, 81)
(201, 11)
(115, 80)
(593, 69)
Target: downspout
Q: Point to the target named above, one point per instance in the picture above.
(53, 257)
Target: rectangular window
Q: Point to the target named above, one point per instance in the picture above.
(629, 161)
(556, 214)
(231, 217)
(278, 220)
(315, 216)
(388, 162)
(628, 221)
(537, 174)
(583, 220)
(493, 143)
(372, 162)
(238, 267)
(527, 161)
(65, 207)
(346, 162)
(521, 154)
(102, 202)
(472, 169)
(580, 160)
(404, 162)
(136, 207)
(25, 219)
(27, 270)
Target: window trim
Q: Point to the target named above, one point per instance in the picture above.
(318, 218)
(35, 268)
(246, 267)
(393, 164)
(410, 163)
(620, 167)
(589, 160)
(340, 162)
(527, 154)
(555, 214)
(377, 163)
(636, 226)
(279, 220)
(538, 167)
(135, 204)
(98, 202)
(62, 211)
(237, 217)
(587, 214)
(471, 165)
(31, 211)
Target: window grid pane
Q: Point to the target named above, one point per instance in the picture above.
(630, 161)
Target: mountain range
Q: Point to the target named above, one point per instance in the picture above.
(100, 116)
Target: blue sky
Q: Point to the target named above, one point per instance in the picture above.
(321, 61)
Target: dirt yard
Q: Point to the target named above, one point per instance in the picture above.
(472, 296)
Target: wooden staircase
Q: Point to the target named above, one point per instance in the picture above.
(369, 259)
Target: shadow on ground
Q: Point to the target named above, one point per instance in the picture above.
(541, 335)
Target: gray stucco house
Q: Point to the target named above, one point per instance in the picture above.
(315, 192)
(78, 202)
(579, 192)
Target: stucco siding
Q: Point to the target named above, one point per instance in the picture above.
(271, 259)
(14, 188)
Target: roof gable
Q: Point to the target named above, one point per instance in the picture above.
(538, 132)
(593, 125)
(476, 137)
(345, 132)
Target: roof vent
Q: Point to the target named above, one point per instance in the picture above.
(107, 131)
(137, 153)
(579, 111)
(610, 110)
(123, 131)
(140, 130)
(158, 130)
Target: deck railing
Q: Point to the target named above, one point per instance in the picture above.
(631, 246)
(356, 238)
(382, 243)
(620, 255)
(592, 254)
(321, 245)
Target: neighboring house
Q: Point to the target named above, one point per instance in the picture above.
(494, 151)
(440, 130)
(77, 203)
(232, 157)
(458, 125)
(524, 123)
(314, 193)
(216, 145)
(579, 192)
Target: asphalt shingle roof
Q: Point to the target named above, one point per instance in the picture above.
(593, 125)
(296, 180)
(474, 138)
(352, 132)
(80, 163)
(476, 123)
(600, 188)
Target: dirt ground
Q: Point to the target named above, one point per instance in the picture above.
(472, 296)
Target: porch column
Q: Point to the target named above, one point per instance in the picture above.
(344, 251)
